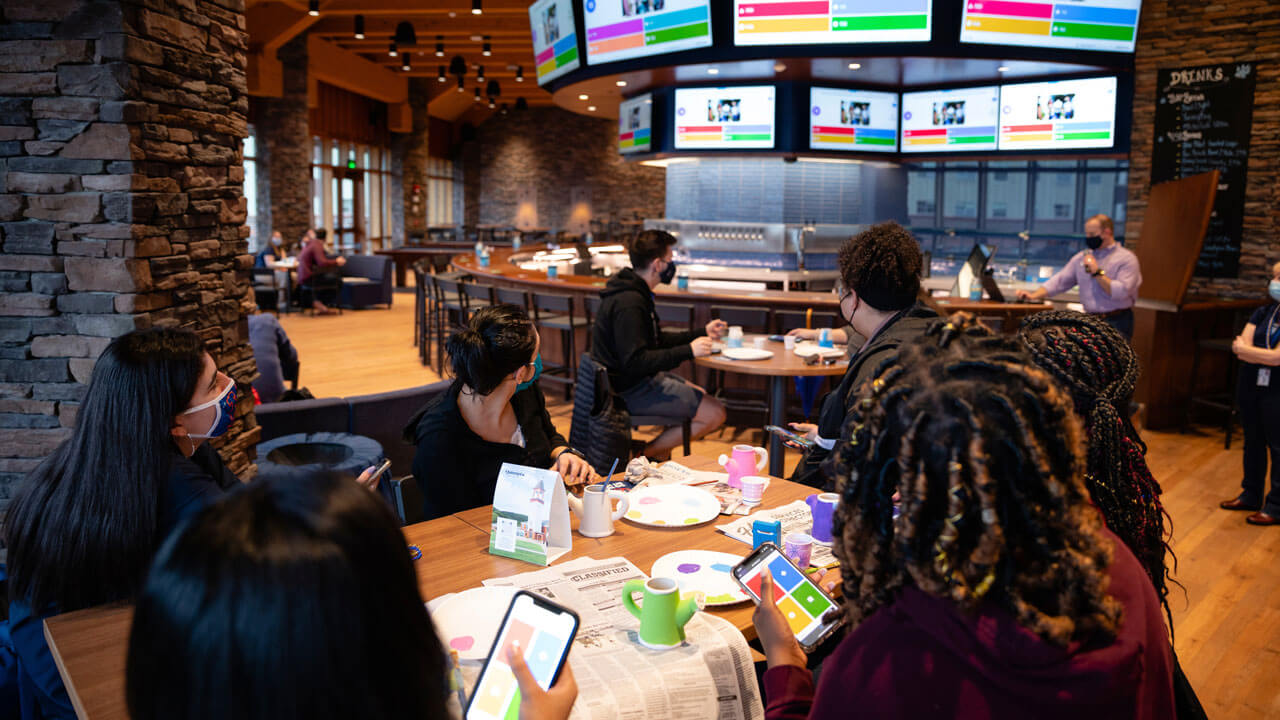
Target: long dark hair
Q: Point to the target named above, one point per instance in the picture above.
(81, 529)
(293, 597)
(497, 342)
(985, 451)
(1094, 362)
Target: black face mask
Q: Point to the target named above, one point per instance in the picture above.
(668, 273)
(1093, 241)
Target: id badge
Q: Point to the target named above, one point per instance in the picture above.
(1264, 377)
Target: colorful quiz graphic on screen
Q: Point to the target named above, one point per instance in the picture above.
(1060, 115)
(950, 120)
(729, 118)
(635, 124)
(794, 22)
(1110, 25)
(853, 120)
(799, 602)
(621, 29)
(555, 44)
(541, 637)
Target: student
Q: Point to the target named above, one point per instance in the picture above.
(294, 598)
(493, 413)
(271, 253)
(314, 260)
(628, 340)
(997, 589)
(878, 284)
(276, 357)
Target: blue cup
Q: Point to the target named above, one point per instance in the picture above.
(552, 271)
(682, 282)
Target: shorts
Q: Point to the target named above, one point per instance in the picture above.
(664, 395)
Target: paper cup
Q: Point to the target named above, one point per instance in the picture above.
(759, 342)
(789, 342)
(753, 489)
(798, 547)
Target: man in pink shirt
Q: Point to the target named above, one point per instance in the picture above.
(1107, 274)
(311, 260)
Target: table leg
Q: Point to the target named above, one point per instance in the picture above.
(777, 416)
(401, 267)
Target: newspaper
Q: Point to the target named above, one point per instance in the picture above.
(711, 675)
(795, 517)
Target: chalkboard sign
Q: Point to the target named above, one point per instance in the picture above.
(1203, 119)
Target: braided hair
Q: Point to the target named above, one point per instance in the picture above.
(1096, 365)
(984, 450)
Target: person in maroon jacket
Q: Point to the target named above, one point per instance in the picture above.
(996, 591)
(311, 260)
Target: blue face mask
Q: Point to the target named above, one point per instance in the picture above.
(1273, 289)
(537, 373)
(225, 405)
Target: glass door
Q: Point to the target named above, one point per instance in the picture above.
(348, 213)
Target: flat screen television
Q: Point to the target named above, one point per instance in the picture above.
(555, 42)
(635, 124)
(1105, 25)
(856, 120)
(625, 29)
(959, 120)
(724, 118)
(1058, 115)
(802, 22)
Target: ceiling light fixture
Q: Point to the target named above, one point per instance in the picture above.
(440, 75)
(487, 49)
(475, 7)
(855, 66)
(621, 83)
(405, 36)
(313, 8)
(522, 104)
(713, 71)
(392, 50)
(439, 46)
(492, 104)
(480, 74)
(583, 96)
(461, 85)
(1003, 68)
(591, 108)
(504, 108)
(405, 64)
(492, 89)
(519, 73)
(359, 27)
(477, 93)
(457, 66)
(779, 67)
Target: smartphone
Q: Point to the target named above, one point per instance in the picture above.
(800, 599)
(545, 631)
(790, 436)
(778, 338)
(385, 466)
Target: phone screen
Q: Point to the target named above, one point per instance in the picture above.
(789, 435)
(801, 601)
(544, 631)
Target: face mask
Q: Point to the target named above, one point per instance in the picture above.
(537, 373)
(1093, 241)
(277, 241)
(668, 273)
(1273, 289)
(225, 405)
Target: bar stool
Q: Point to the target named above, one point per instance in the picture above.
(448, 310)
(474, 297)
(591, 308)
(1224, 402)
(420, 290)
(512, 296)
(556, 312)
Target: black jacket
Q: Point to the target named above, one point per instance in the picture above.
(837, 404)
(193, 483)
(626, 338)
(456, 468)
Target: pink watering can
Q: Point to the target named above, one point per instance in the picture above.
(746, 460)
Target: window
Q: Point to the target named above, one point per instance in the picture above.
(350, 193)
(251, 191)
(440, 189)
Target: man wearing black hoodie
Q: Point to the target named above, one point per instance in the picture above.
(638, 353)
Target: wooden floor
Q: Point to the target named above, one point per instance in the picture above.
(1227, 623)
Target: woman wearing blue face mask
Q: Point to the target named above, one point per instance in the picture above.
(494, 413)
(1258, 395)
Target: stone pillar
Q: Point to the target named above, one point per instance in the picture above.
(284, 163)
(409, 169)
(122, 204)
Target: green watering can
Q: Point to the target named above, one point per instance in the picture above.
(664, 615)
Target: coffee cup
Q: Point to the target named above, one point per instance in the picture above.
(753, 489)
(798, 547)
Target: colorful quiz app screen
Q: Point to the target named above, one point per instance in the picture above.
(621, 29)
(800, 602)
(543, 637)
(635, 124)
(725, 118)
(1059, 115)
(950, 120)
(794, 22)
(853, 120)
(555, 44)
(1110, 25)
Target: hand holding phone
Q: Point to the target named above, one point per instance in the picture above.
(541, 632)
(801, 604)
(790, 437)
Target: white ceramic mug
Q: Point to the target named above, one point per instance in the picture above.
(595, 510)
(753, 489)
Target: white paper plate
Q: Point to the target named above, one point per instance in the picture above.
(468, 621)
(703, 571)
(747, 353)
(672, 506)
(808, 349)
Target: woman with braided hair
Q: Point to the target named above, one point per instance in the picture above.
(996, 591)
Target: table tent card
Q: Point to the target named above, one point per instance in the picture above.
(530, 515)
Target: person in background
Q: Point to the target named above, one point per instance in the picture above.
(294, 598)
(276, 357)
(272, 252)
(1107, 274)
(997, 587)
(879, 281)
(1258, 396)
(628, 340)
(493, 413)
(312, 260)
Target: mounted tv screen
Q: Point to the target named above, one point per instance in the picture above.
(803, 22)
(635, 124)
(624, 29)
(961, 120)
(857, 120)
(1058, 115)
(724, 118)
(1107, 25)
(555, 43)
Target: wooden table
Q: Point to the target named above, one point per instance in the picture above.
(783, 365)
(403, 257)
(89, 646)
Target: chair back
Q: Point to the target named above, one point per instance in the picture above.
(784, 320)
(552, 304)
(674, 316)
(512, 296)
(752, 319)
(476, 295)
(407, 497)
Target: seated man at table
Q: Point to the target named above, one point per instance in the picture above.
(628, 340)
(879, 281)
(312, 261)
